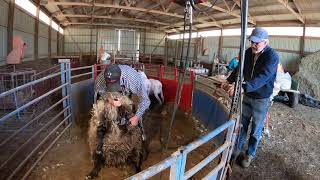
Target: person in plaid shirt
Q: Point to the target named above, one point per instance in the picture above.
(125, 79)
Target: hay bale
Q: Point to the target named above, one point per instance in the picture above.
(309, 75)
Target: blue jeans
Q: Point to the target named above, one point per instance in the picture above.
(257, 109)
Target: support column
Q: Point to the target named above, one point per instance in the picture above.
(165, 61)
(302, 41)
(36, 32)
(58, 41)
(10, 25)
(49, 38)
(220, 43)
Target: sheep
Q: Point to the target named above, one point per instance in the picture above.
(112, 141)
(156, 89)
(153, 87)
(146, 81)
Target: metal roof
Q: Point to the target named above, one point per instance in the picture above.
(165, 15)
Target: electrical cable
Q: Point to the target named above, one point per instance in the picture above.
(203, 10)
(181, 79)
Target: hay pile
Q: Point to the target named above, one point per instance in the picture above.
(309, 75)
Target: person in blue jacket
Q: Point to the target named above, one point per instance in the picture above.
(233, 63)
(260, 69)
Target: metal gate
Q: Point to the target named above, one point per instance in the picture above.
(24, 139)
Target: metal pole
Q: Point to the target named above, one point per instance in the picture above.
(64, 65)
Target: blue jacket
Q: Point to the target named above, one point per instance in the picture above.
(260, 85)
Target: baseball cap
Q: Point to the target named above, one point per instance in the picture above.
(258, 35)
(112, 76)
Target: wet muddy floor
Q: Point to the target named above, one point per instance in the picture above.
(70, 159)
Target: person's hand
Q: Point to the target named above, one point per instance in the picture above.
(225, 86)
(134, 120)
(231, 91)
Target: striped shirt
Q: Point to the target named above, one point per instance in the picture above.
(132, 82)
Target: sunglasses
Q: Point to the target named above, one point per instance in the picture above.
(255, 43)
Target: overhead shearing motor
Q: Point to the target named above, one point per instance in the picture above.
(183, 2)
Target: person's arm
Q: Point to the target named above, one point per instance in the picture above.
(144, 102)
(265, 74)
(232, 77)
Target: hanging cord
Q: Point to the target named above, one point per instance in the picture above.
(181, 79)
(237, 98)
(203, 10)
(184, 30)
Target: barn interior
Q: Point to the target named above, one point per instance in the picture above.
(53, 50)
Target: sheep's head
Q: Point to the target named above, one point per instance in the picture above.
(118, 107)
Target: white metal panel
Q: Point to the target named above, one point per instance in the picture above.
(229, 53)
(75, 38)
(212, 44)
(43, 47)
(69, 48)
(43, 30)
(53, 47)
(3, 45)
(29, 40)
(233, 41)
(79, 31)
(53, 34)
(312, 45)
(285, 43)
(3, 13)
(23, 21)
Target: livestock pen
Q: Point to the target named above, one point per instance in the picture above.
(33, 148)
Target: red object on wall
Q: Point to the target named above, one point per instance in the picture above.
(169, 86)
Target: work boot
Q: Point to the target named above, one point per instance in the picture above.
(246, 161)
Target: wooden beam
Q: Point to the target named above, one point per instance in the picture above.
(207, 4)
(36, 32)
(239, 5)
(220, 43)
(114, 6)
(302, 41)
(286, 5)
(113, 25)
(298, 7)
(10, 25)
(49, 38)
(112, 17)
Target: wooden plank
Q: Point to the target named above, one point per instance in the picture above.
(10, 26)
(286, 5)
(114, 6)
(302, 41)
(49, 38)
(36, 32)
(111, 17)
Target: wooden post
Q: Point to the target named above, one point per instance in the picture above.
(36, 32)
(144, 41)
(91, 55)
(302, 41)
(220, 43)
(58, 41)
(49, 38)
(165, 62)
(10, 25)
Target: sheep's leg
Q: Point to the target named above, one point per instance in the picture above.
(158, 98)
(99, 161)
(161, 93)
(98, 158)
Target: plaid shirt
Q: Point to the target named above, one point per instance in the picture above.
(132, 82)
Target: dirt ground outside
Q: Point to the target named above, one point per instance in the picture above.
(292, 151)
